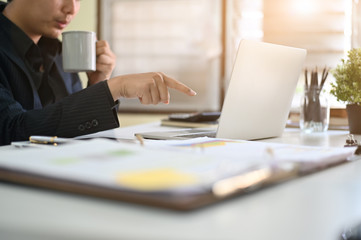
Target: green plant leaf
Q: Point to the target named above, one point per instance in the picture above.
(347, 87)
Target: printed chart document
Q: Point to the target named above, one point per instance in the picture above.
(176, 174)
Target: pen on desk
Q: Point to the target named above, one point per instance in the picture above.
(140, 139)
(48, 140)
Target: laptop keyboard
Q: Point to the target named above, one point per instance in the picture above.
(195, 134)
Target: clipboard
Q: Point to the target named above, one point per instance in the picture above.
(228, 185)
(184, 202)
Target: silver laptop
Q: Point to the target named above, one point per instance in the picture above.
(259, 95)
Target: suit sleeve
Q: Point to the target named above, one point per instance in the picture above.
(87, 111)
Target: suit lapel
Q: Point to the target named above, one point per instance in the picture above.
(20, 63)
(9, 50)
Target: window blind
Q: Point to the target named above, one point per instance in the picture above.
(320, 26)
(326, 28)
(181, 38)
(323, 27)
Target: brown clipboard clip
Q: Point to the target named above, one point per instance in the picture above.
(254, 179)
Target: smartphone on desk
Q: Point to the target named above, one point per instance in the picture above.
(195, 117)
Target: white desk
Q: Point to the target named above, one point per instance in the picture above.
(317, 206)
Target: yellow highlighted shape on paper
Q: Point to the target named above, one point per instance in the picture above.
(155, 179)
(212, 143)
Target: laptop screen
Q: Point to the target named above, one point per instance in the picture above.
(261, 89)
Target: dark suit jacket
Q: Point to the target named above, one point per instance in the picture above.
(21, 112)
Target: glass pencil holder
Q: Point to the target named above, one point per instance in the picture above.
(315, 111)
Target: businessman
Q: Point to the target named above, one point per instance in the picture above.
(38, 98)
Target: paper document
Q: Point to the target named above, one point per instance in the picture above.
(162, 166)
(117, 165)
(236, 151)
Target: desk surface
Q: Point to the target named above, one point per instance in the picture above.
(317, 206)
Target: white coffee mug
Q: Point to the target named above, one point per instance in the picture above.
(79, 54)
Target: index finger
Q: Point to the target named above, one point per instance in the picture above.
(172, 83)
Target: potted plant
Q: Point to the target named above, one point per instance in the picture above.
(347, 87)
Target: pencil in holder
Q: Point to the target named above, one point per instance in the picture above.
(315, 110)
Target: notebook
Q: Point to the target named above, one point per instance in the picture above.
(259, 95)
